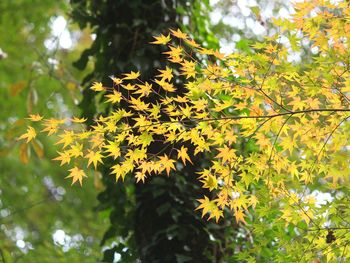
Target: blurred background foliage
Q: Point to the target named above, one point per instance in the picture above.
(42, 218)
(50, 52)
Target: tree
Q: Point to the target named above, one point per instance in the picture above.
(121, 29)
(290, 120)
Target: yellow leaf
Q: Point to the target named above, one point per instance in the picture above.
(97, 86)
(113, 149)
(192, 43)
(161, 40)
(178, 34)
(210, 182)
(188, 69)
(66, 138)
(253, 201)
(94, 157)
(77, 175)
(29, 135)
(182, 153)
(144, 90)
(174, 54)
(129, 87)
(116, 81)
(138, 104)
(136, 155)
(120, 171)
(35, 117)
(219, 55)
(115, 97)
(78, 120)
(239, 215)
(209, 207)
(226, 153)
(140, 177)
(131, 75)
(64, 157)
(166, 163)
(76, 150)
(51, 125)
(166, 74)
(297, 104)
(165, 85)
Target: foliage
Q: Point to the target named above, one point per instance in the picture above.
(122, 28)
(290, 120)
(34, 200)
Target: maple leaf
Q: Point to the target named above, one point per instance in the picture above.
(145, 139)
(226, 153)
(297, 104)
(94, 157)
(188, 68)
(210, 182)
(52, 125)
(219, 55)
(131, 75)
(166, 163)
(186, 111)
(288, 144)
(146, 166)
(77, 175)
(114, 98)
(78, 120)
(129, 87)
(144, 89)
(113, 148)
(66, 138)
(287, 215)
(97, 140)
(165, 85)
(29, 135)
(116, 81)
(141, 121)
(109, 127)
(182, 153)
(121, 171)
(140, 177)
(161, 40)
(138, 104)
(192, 43)
(209, 207)
(136, 155)
(83, 135)
(174, 53)
(239, 215)
(205, 51)
(64, 157)
(166, 74)
(97, 86)
(35, 117)
(253, 201)
(178, 34)
(118, 171)
(206, 205)
(76, 150)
